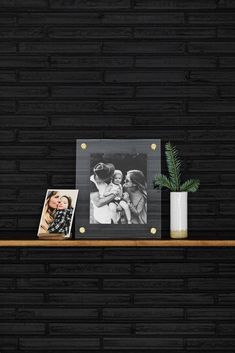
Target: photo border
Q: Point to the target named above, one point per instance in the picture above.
(56, 235)
(85, 230)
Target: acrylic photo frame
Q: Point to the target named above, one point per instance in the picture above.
(142, 156)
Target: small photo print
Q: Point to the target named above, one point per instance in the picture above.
(58, 212)
(118, 188)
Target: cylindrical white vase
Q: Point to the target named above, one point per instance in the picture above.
(179, 215)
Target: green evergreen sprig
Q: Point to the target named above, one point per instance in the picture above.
(173, 182)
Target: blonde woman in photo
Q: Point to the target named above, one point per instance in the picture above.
(51, 205)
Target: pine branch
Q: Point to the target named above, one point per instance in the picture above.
(162, 181)
(173, 181)
(190, 185)
(173, 165)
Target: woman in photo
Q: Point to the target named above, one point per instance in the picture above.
(102, 175)
(51, 205)
(136, 196)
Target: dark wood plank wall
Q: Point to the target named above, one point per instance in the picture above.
(116, 69)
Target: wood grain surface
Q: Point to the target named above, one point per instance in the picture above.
(118, 243)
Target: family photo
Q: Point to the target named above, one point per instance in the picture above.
(57, 214)
(118, 188)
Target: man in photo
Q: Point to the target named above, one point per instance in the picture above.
(99, 180)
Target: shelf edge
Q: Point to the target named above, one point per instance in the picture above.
(118, 243)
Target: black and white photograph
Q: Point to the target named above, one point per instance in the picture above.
(118, 188)
(117, 199)
(57, 214)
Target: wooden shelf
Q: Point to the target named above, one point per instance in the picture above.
(118, 243)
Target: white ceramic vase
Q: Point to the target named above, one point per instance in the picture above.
(179, 215)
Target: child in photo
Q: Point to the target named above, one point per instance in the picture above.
(118, 204)
(62, 217)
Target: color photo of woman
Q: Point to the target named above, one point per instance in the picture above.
(57, 214)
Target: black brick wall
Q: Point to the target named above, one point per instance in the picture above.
(117, 300)
(116, 69)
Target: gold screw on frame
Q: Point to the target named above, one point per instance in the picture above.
(153, 230)
(153, 146)
(82, 230)
(83, 146)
